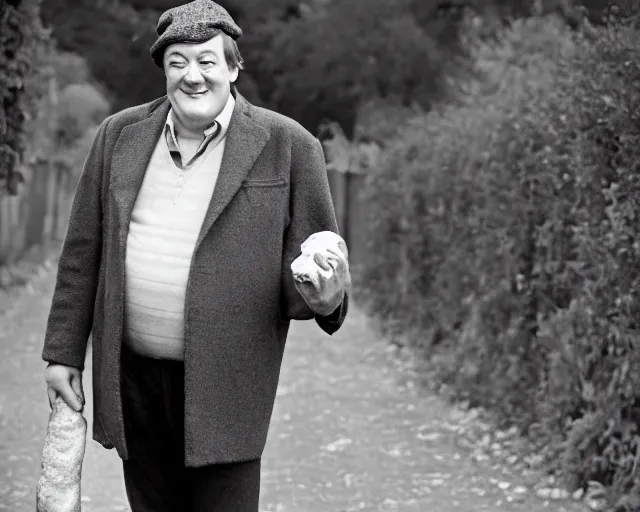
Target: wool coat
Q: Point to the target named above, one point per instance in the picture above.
(272, 193)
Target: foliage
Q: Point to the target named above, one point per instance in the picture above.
(312, 60)
(292, 66)
(125, 72)
(69, 68)
(70, 120)
(40, 117)
(80, 106)
(332, 57)
(504, 228)
(21, 40)
(114, 42)
(433, 167)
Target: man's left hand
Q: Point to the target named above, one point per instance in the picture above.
(323, 287)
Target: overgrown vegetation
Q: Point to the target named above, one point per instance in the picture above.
(48, 108)
(22, 40)
(504, 235)
(49, 98)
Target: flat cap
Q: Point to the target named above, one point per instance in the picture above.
(195, 22)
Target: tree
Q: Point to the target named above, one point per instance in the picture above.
(335, 55)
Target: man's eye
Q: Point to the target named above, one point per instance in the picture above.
(176, 64)
(207, 62)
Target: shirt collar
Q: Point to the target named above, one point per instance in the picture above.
(224, 119)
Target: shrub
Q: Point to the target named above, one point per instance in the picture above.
(504, 229)
(441, 178)
(69, 68)
(21, 39)
(80, 106)
(115, 42)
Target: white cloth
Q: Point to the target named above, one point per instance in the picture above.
(322, 289)
(304, 267)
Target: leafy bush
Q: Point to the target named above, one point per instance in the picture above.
(69, 68)
(51, 118)
(440, 180)
(80, 106)
(21, 40)
(504, 229)
(115, 43)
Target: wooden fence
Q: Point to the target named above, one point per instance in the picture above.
(39, 214)
(350, 212)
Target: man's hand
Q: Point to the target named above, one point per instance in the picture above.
(321, 273)
(65, 381)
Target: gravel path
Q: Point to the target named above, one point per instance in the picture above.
(347, 434)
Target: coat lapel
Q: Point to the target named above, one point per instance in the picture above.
(245, 141)
(131, 157)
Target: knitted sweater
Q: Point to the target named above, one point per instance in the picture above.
(164, 227)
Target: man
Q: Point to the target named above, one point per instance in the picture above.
(187, 217)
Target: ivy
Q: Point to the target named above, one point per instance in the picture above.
(21, 35)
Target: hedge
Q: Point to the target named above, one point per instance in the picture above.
(504, 236)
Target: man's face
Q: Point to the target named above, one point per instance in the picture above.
(198, 81)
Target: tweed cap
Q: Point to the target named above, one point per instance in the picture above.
(195, 22)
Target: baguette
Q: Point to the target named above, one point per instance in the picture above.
(58, 488)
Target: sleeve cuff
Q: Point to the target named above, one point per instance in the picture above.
(332, 322)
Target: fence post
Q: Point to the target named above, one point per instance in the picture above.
(5, 231)
(19, 206)
(337, 152)
(337, 184)
(37, 204)
(356, 219)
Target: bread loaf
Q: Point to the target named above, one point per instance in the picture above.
(58, 489)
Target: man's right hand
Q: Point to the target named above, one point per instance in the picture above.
(65, 381)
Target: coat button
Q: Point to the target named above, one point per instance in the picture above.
(237, 309)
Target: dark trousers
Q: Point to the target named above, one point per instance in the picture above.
(155, 477)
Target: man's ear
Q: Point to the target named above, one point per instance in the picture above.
(233, 74)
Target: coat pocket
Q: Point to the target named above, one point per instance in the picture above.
(264, 182)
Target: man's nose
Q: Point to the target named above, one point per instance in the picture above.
(193, 75)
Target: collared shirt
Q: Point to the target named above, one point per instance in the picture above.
(215, 132)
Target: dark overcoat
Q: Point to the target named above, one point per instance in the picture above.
(272, 193)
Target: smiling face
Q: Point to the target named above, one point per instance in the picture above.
(198, 81)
